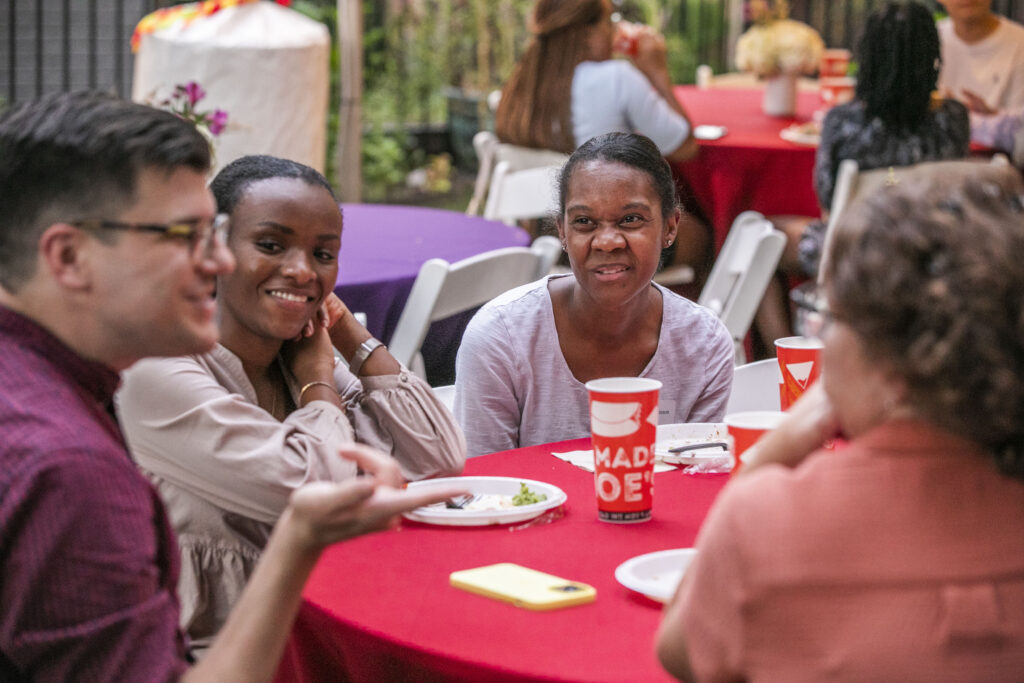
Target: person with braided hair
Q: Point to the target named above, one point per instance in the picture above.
(893, 120)
(899, 556)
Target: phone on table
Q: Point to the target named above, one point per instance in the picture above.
(523, 587)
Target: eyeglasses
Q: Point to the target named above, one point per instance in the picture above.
(818, 319)
(200, 235)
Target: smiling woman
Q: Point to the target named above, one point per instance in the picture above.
(526, 356)
(227, 436)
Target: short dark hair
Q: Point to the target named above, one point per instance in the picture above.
(232, 181)
(898, 67)
(630, 149)
(928, 273)
(74, 156)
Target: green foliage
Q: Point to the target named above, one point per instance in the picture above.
(415, 50)
(424, 45)
(384, 161)
(682, 59)
(689, 27)
(326, 12)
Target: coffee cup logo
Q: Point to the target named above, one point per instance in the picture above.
(614, 419)
(618, 419)
(800, 364)
(801, 372)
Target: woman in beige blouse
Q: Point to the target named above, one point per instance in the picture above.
(228, 435)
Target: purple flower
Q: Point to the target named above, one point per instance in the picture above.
(194, 92)
(218, 120)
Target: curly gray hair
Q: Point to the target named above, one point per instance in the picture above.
(929, 273)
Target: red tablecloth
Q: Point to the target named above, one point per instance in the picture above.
(380, 608)
(751, 167)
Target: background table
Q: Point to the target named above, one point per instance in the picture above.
(751, 167)
(382, 249)
(381, 609)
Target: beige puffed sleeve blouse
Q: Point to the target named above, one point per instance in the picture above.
(225, 467)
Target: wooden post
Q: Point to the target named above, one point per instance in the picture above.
(348, 155)
(734, 24)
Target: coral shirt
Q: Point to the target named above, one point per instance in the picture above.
(899, 558)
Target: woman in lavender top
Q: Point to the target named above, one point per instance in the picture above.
(526, 356)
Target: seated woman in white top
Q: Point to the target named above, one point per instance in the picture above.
(574, 42)
(982, 56)
(525, 356)
(227, 436)
(983, 66)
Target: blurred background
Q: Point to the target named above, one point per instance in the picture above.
(428, 66)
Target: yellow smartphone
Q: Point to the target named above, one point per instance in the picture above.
(523, 587)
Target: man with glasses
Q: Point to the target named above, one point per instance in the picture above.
(109, 252)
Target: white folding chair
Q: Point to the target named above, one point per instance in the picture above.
(490, 152)
(674, 275)
(443, 289)
(851, 183)
(548, 249)
(446, 394)
(741, 273)
(755, 386)
(519, 194)
(485, 143)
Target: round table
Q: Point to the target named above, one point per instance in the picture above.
(380, 607)
(382, 249)
(751, 167)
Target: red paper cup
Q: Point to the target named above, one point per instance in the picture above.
(623, 428)
(834, 62)
(747, 427)
(800, 363)
(837, 90)
(626, 39)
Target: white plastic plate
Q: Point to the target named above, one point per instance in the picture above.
(801, 134)
(657, 574)
(502, 486)
(708, 132)
(683, 434)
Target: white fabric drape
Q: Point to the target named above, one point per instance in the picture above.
(266, 65)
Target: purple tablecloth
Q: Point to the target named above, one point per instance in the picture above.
(382, 249)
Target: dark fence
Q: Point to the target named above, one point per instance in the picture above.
(48, 45)
(839, 22)
(54, 45)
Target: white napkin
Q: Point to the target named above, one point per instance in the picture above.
(585, 460)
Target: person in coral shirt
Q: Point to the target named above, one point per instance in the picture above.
(900, 556)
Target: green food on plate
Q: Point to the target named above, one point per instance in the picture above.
(526, 496)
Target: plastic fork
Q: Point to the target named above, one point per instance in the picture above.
(699, 446)
(459, 502)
